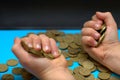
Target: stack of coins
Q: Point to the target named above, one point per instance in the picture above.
(102, 33)
(39, 53)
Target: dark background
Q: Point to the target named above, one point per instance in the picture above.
(53, 14)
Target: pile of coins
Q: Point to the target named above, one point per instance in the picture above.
(39, 53)
(102, 33)
(15, 71)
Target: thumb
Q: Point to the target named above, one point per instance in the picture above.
(110, 24)
(107, 18)
(18, 50)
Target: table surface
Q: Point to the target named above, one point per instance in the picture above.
(6, 42)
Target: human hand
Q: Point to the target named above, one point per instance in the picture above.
(42, 68)
(107, 53)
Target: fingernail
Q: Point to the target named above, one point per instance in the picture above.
(97, 26)
(55, 54)
(46, 48)
(95, 43)
(38, 46)
(97, 36)
(30, 45)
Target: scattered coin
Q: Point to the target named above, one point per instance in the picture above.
(12, 62)
(63, 45)
(103, 75)
(26, 75)
(88, 64)
(7, 77)
(17, 70)
(114, 78)
(84, 71)
(3, 67)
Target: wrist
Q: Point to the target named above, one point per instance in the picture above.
(112, 57)
(57, 74)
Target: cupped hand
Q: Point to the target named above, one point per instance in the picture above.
(40, 67)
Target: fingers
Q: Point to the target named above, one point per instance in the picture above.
(18, 50)
(37, 42)
(54, 48)
(89, 41)
(45, 43)
(92, 24)
(90, 32)
(95, 18)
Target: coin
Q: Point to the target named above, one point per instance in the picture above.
(26, 75)
(102, 68)
(100, 40)
(70, 62)
(30, 33)
(48, 55)
(12, 62)
(114, 78)
(84, 71)
(17, 70)
(25, 46)
(79, 77)
(63, 45)
(103, 29)
(88, 64)
(73, 45)
(68, 39)
(90, 77)
(3, 67)
(103, 75)
(7, 77)
(102, 32)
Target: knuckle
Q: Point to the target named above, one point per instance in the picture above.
(13, 48)
(89, 39)
(42, 35)
(108, 13)
(83, 31)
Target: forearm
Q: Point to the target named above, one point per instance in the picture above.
(57, 74)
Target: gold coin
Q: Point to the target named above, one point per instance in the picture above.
(17, 70)
(102, 32)
(26, 75)
(90, 77)
(88, 64)
(73, 45)
(114, 78)
(68, 38)
(12, 62)
(103, 75)
(100, 40)
(3, 67)
(79, 77)
(84, 71)
(102, 68)
(69, 62)
(63, 45)
(103, 29)
(7, 77)
(30, 33)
